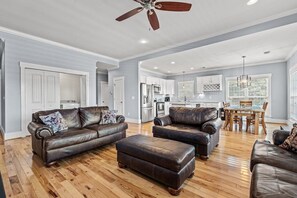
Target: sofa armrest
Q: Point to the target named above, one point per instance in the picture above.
(162, 121)
(279, 136)
(120, 119)
(212, 126)
(40, 131)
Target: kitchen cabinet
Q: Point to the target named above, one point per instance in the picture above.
(152, 80)
(163, 86)
(142, 79)
(170, 87)
(167, 105)
(209, 83)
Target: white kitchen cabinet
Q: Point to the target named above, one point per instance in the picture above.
(152, 80)
(166, 107)
(142, 79)
(163, 86)
(209, 83)
(170, 87)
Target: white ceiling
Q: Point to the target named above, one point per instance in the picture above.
(91, 25)
(279, 41)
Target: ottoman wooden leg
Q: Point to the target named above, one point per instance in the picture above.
(121, 165)
(192, 174)
(174, 192)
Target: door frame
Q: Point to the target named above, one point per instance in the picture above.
(25, 66)
(123, 79)
(101, 83)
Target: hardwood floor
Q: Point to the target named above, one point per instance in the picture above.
(96, 174)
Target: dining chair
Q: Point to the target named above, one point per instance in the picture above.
(246, 103)
(236, 120)
(251, 119)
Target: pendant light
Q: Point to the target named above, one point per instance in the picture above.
(244, 80)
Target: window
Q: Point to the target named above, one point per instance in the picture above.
(293, 94)
(258, 92)
(186, 89)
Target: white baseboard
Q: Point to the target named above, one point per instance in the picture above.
(133, 120)
(278, 121)
(14, 135)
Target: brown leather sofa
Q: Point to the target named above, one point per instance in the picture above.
(84, 133)
(196, 126)
(274, 170)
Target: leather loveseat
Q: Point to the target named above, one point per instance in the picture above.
(196, 126)
(274, 170)
(84, 133)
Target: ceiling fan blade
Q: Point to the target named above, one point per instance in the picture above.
(129, 14)
(153, 19)
(173, 6)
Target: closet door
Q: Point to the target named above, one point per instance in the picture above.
(51, 90)
(42, 92)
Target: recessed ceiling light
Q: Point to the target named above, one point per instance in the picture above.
(169, 72)
(192, 68)
(267, 52)
(172, 62)
(143, 41)
(155, 67)
(251, 2)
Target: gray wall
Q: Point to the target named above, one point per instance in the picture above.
(278, 85)
(19, 49)
(99, 78)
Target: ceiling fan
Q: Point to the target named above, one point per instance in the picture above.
(149, 5)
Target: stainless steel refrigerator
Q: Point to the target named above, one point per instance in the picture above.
(147, 100)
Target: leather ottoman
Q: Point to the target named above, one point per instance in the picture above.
(167, 161)
(269, 181)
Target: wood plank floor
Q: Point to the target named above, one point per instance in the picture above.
(96, 174)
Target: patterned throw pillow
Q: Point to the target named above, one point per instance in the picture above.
(55, 121)
(109, 116)
(290, 143)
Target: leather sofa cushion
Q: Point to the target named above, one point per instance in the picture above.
(71, 116)
(108, 129)
(168, 154)
(269, 181)
(183, 133)
(69, 138)
(266, 153)
(192, 116)
(91, 115)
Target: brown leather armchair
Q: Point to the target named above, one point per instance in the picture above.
(84, 133)
(196, 126)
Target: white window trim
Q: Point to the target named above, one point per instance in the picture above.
(269, 76)
(291, 70)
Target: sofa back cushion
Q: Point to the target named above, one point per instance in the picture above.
(193, 116)
(91, 115)
(71, 116)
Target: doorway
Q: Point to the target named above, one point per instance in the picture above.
(118, 95)
(104, 94)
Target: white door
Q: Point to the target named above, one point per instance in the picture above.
(118, 95)
(104, 94)
(42, 92)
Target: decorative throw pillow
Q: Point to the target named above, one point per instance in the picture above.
(109, 116)
(55, 121)
(290, 143)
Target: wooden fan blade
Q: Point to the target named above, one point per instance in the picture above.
(153, 19)
(129, 14)
(173, 6)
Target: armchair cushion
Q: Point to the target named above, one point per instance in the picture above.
(162, 121)
(192, 116)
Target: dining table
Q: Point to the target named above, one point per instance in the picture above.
(233, 111)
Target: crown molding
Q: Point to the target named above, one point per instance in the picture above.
(54, 43)
(293, 51)
(153, 72)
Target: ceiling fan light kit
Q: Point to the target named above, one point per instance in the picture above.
(150, 5)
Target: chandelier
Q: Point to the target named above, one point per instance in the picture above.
(243, 81)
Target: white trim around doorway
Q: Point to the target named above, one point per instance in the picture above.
(25, 65)
(120, 78)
